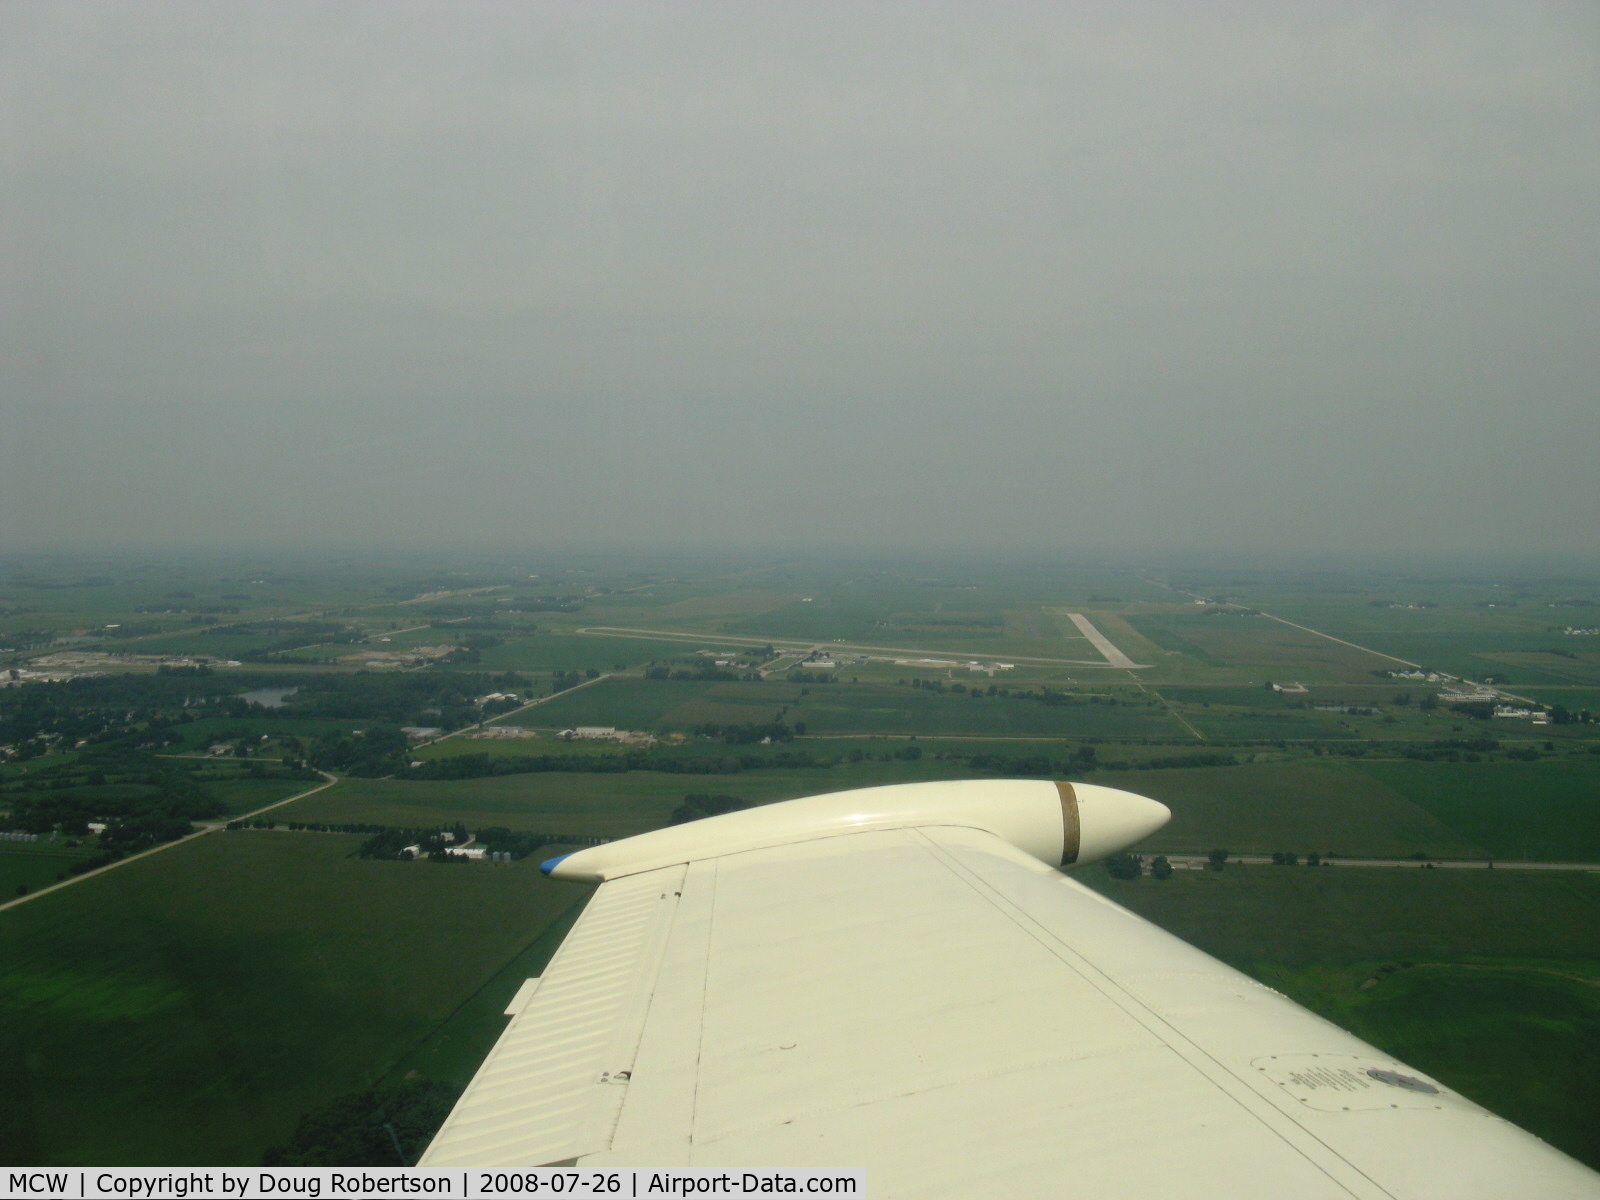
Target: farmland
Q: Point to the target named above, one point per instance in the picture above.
(189, 1005)
(187, 1008)
(1488, 981)
(603, 805)
(832, 710)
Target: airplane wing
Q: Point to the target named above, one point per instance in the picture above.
(898, 981)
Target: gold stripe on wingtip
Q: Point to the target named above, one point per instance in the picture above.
(1069, 823)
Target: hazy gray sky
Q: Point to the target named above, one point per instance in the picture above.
(1287, 275)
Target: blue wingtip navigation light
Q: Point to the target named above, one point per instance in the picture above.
(549, 864)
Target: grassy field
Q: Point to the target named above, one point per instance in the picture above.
(187, 1008)
(1500, 1000)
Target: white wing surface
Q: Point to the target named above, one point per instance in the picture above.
(923, 1001)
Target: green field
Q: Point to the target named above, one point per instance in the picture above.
(197, 735)
(1267, 648)
(1519, 656)
(1502, 1000)
(1324, 806)
(11, 770)
(247, 795)
(1543, 811)
(454, 1050)
(1238, 724)
(188, 1007)
(566, 650)
(627, 702)
(1574, 698)
(34, 865)
(601, 805)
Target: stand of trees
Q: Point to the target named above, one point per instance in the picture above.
(371, 754)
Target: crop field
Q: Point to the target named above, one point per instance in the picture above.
(33, 865)
(709, 611)
(454, 1050)
(1266, 649)
(603, 805)
(625, 702)
(187, 1008)
(1541, 811)
(1357, 619)
(1547, 665)
(1489, 981)
(1521, 1039)
(572, 651)
(1304, 806)
(900, 710)
(1520, 656)
(1331, 806)
(841, 747)
(247, 795)
(1303, 917)
(1243, 724)
(580, 804)
(1261, 698)
(1574, 698)
(841, 708)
